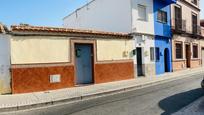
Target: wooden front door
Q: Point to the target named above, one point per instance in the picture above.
(188, 56)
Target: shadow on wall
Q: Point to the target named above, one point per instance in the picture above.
(176, 102)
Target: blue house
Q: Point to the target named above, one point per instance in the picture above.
(163, 35)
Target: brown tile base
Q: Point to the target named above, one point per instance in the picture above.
(28, 79)
(180, 65)
(25, 80)
(108, 72)
(195, 63)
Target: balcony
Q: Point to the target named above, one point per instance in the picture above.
(196, 30)
(179, 25)
(193, 31)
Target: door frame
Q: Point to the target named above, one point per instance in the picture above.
(202, 48)
(166, 60)
(75, 41)
(142, 69)
(189, 44)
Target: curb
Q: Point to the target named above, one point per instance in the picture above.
(97, 95)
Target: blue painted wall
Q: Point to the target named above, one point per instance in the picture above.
(163, 35)
(163, 43)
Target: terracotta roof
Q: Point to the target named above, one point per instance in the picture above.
(1, 31)
(41, 29)
(1, 28)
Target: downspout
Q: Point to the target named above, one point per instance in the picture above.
(171, 39)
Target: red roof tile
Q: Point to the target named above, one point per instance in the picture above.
(27, 28)
(1, 28)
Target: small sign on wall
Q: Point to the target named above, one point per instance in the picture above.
(55, 78)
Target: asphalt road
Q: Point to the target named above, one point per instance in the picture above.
(163, 99)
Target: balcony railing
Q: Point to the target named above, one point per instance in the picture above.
(179, 25)
(196, 30)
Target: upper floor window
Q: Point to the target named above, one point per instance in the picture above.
(142, 13)
(194, 2)
(162, 16)
(194, 23)
(178, 13)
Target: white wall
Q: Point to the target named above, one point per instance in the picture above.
(145, 42)
(4, 64)
(104, 15)
(139, 26)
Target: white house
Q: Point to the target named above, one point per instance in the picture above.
(132, 16)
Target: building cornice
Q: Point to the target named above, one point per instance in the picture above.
(190, 5)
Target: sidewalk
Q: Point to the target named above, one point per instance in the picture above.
(196, 108)
(39, 99)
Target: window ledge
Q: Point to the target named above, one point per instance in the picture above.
(162, 22)
(143, 20)
(175, 60)
(195, 59)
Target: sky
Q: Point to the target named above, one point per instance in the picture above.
(37, 12)
(42, 12)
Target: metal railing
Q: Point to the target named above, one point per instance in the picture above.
(179, 25)
(196, 30)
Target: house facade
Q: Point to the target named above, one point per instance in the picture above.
(163, 35)
(140, 18)
(47, 58)
(202, 42)
(132, 16)
(5, 77)
(186, 34)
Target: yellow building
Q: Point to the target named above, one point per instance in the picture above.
(47, 58)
